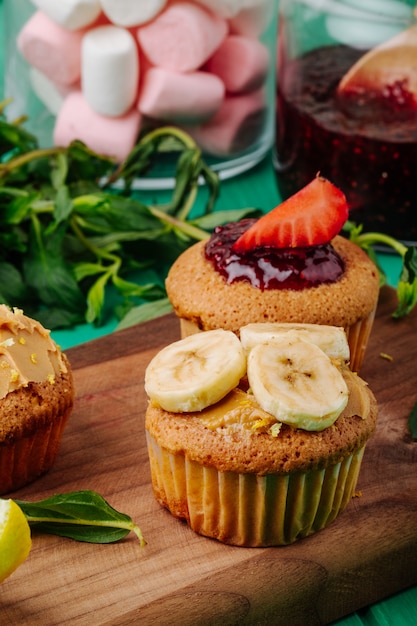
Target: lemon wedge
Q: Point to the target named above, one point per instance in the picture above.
(15, 538)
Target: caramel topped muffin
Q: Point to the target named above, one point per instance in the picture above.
(233, 436)
(36, 398)
(271, 458)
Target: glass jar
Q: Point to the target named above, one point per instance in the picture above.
(208, 68)
(346, 112)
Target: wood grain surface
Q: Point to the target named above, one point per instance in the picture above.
(183, 579)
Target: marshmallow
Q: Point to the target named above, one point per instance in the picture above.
(252, 21)
(131, 12)
(182, 37)
(53, 50)
(51, 94)
(191, 98)
(241, 63)
(70, 14)
(109, 70)
(237, 125)
(110, 136)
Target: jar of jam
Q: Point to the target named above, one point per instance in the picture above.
(347, 106)
(106, 72)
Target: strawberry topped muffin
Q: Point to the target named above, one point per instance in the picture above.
(257, 441)
(291, 265)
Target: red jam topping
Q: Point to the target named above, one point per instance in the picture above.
(272, 268)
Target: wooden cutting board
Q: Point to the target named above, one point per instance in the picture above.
(183, 579)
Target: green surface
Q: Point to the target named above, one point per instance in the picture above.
(257, 188)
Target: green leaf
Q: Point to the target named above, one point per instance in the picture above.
(18, 209)
(13, 290)
(13, 136)
(407, 298)
(84, 270)
(145, 312)
(80, 515)
(130, 289)
(60, 171)
(63, 204)
(407, 285)
(85, 164)
(95, 298)
(412, 423)
(57, 317)
(210, 221)
(46, 270)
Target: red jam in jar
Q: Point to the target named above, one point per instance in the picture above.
(272, 268)
(370, 154)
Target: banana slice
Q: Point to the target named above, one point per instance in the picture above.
(331, 339)
(195, 372)
(297, 383)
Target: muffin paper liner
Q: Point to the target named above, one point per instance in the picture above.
(358, 336)
(27, 458)
(248, 509)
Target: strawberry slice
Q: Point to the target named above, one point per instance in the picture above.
(312, 216)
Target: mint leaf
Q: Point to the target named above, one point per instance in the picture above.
(145, 312)
(407, 284)
(80, 515)
(47, 272)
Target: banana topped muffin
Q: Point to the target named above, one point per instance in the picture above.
(36, 398)
(289, 266)
(258, 441)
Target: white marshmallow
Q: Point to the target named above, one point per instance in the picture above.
(70, 14)
(111, 136)
(182, 37)
(131, 12)
(109, 70)
(191, 97)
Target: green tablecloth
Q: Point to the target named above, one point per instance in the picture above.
(257, 188)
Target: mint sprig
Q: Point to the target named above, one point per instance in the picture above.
(80, 515)
(407, 283)
(77, 244)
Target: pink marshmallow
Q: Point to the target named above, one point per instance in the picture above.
(53, 50)
(225, 8)
(241, 63)
(191, 98)
(182, 37)
(237, 125)
(110, 136)
(252, 21)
